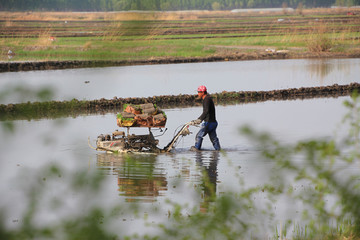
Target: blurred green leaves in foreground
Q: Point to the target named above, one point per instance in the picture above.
(22, 93)
(332, 209)
(331, 167)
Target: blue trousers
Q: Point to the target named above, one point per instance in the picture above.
(207, 128)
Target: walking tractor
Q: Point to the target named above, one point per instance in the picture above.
(137, 116)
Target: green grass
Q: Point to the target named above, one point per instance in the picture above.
(344, 229)
(100, 49)
(127, 40)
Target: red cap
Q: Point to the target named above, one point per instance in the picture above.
(202, 89)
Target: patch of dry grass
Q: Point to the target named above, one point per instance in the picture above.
(44, 39)
(167, 16)
(328, 11)
(87, 46)
(51, 16)
(113, 31)
(112, 16)
(8, 23)
(318, 39)
(152, 16)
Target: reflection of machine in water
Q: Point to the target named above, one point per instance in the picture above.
(138, 177)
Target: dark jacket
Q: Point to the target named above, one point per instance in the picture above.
(208, 114)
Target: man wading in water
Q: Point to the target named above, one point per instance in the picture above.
(209, 125)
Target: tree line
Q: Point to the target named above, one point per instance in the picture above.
(161, 5)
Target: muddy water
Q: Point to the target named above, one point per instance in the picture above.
(145, 81)
(176, 176)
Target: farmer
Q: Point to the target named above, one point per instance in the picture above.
(210, 124)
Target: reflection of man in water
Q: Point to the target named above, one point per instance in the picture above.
(209, 177)
(210, 124)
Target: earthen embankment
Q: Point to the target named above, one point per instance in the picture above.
(54, 109)
(14, 66)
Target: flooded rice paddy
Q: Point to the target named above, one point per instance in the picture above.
(177, 176)
(174, 79)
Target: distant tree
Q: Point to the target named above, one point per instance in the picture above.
(216, 6)
(299, 9)
(251, 3)
(347, 3)
(284, 7)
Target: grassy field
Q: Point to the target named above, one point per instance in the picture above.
(34, 36)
